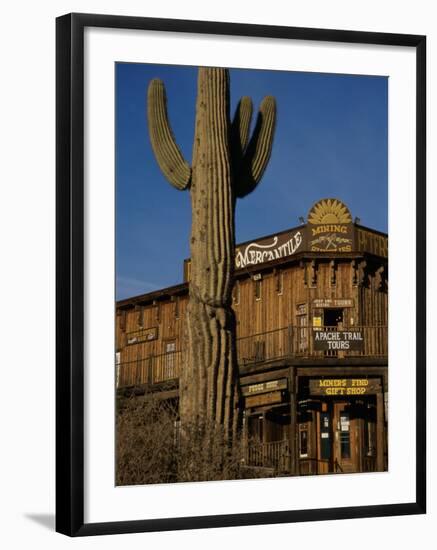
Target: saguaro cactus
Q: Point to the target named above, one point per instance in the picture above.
(225, 166)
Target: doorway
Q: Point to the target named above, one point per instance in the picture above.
(332, 320)
(332, 317)
(345, 444)
(268, 439)
(347, 436)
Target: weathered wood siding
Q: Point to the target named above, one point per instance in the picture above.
(264, 301)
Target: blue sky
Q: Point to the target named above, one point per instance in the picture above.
(330, 141)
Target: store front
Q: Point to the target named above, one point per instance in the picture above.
(267, 424)
(341, 425)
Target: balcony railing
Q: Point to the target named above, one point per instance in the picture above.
(296, 341)
(274, 455)
(288, 342)
(151, 370)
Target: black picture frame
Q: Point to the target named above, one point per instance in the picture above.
(70, 273)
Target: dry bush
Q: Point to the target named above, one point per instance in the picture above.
(150, 447)
(145, 441)
(204, 455)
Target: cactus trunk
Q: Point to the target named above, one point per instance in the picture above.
(210, 369)
(225, 165)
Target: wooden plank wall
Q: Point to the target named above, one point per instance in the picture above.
(301, 285)
(277, 307)
(167, 316)
(369, 241)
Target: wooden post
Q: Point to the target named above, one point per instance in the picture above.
(245, 437)
(293, 422)
(385, 404)
(290, 340)
(379, 432)
(340, 353)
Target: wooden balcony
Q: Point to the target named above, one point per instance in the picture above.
(151, 370)
(299, 342)
(274, 455)
(282, 344)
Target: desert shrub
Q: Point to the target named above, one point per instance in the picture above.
(145, 441)
(151, 447)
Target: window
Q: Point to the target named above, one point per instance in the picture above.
(302, 330)
(345, 444)
(325, 436)
(170, 347)
(369, 434)
(169, 361)
(303, 441)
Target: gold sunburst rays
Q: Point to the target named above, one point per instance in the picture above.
(329, 211)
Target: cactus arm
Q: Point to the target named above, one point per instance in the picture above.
(257, 154)
(241, 124)
(167, 153)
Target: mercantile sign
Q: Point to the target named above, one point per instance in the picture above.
(271, 248)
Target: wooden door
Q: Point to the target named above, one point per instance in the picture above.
(346, 457)
(169, 366)
(324, 436)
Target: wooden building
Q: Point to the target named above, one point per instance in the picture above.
(311, 305)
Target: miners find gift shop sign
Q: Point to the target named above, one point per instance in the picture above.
(330, 227)
(345, 386)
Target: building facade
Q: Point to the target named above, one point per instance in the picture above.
(311, 305)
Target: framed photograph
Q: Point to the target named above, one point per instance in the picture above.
(230, 347)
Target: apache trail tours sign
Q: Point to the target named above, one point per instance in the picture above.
(339, 340)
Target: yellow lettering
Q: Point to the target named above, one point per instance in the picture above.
(332, 228)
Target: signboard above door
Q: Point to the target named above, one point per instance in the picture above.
(338, 340)
(333, 302)
(270, 248)
(263, 387)
(344, 386)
